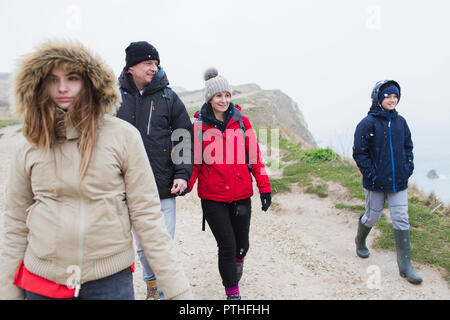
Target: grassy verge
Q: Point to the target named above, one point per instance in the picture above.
(312, 169)
(428, 217)
(4, 123)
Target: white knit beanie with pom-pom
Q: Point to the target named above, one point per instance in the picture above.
(215, 83)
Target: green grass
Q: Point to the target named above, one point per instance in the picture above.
(280, 185)
(430, 235)
(358, 208)
(320, 189)
(319, 163)
(319, 155)
(311, 170)
(4, 123)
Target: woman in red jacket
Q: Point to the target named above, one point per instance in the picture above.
(226, 153)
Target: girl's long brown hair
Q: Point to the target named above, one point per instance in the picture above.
(39, 121)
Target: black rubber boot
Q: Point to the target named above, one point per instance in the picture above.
(360, 240)
(403, 246)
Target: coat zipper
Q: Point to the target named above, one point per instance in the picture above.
(392, 154)
(81, 224)
(150, 118)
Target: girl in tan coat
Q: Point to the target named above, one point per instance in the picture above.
(78, 182)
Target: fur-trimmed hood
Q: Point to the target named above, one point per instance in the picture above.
(34, 67)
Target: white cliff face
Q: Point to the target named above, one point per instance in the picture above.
(275, 109)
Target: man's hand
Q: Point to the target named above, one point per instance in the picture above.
(179, 187)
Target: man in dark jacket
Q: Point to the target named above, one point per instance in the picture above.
(156, 111)
(383, 151)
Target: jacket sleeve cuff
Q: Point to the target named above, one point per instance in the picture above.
(265, 190)
(182, 174)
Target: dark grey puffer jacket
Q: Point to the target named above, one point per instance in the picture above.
(150, 114)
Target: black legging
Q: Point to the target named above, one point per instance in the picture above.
(230, 225)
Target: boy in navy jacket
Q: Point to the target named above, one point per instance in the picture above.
(383, 151)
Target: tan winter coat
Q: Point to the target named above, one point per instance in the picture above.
(60, 227)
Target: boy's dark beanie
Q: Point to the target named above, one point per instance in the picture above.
(140, 51)
(390, 89)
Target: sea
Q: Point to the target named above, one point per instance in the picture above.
(432, 152)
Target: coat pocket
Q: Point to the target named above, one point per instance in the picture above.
(122, 211)
(112, 220)
(42, 230)
(161, 161)
(407, 171)
(118, 211)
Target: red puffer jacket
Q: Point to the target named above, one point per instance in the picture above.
(221, 166)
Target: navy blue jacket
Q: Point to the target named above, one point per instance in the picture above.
(151, 115)
(383, 149)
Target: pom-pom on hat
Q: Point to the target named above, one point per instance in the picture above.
(215, 83)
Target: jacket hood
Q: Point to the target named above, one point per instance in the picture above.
(202, 110)
(159, 81)
(206, 115)
(376, 108)
(33, 69)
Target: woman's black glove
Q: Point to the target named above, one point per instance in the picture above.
(266, 201)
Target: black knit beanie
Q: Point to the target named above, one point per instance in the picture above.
(140, 51)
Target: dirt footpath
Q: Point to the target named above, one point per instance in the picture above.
(303, 248)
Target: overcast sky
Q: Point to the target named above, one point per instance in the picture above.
(325, 54)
